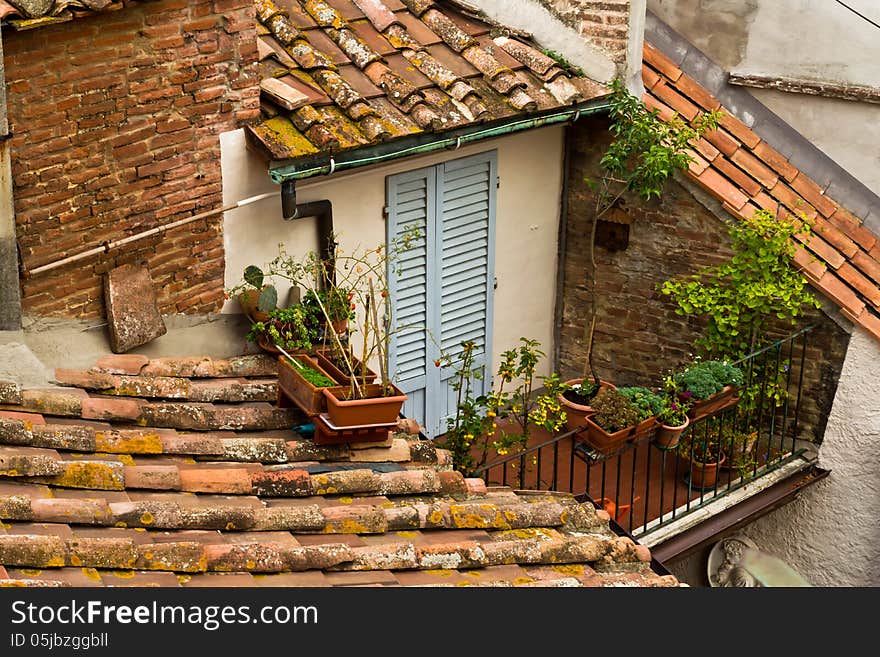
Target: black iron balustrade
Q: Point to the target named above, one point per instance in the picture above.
(644, 487)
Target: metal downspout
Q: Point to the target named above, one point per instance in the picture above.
(321, 210)
(561, 246)
(10, 291)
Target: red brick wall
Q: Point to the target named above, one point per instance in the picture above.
(116, 120)
(605, 23)
(639, 338)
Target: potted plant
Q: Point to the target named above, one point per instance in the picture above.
(614, 422)
(255, 298)
(644, 152)
(292, 329)
(708, 386)
(575, 398)
(351, 287)
(648, 404)
(674, 421)
(302, 380)
(705, 454)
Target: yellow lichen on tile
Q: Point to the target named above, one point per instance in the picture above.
(572, 570)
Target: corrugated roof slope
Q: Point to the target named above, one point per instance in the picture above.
(841, 258)
(185, 472)
(343, 74)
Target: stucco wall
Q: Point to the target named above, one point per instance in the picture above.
(530, 171)
(830, 534)
(821, 41)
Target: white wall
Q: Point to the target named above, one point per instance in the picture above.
(530, 171)
(830, 534)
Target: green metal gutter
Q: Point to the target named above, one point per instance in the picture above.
(424, 143)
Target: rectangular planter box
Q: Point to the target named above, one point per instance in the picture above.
(325, 435)
(372, 409)
(608, 443)
(728, 397)
(323, 358)
(292, 385)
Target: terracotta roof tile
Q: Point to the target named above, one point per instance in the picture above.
(661, 63)
(775, 160)
(723, 141)
(830, 285)
(696, 93)
(675, 101)
(437, 68)
(868, 264)
(377, 13)
(721, 188)
(867, 288)
(754, 167)
(853, 228)
(739, 130)
(649, 77)
(813, 194)
(272, 514)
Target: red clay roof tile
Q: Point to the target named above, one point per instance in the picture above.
(814, 194)
(661, 63)
(853, 228)
(723, 141)
(840, 292)
(388, 40)
(867, 288)
(869, 264)
(754, 167)
(696, 93)
(721, 188)
(775, 160)
(738, 129)
(675, 100)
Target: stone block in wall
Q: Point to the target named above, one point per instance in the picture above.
(133, 315)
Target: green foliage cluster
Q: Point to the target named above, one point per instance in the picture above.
(757, 283)
(293, 329)
(614, 410)
(475, 429)
(312, 375)
(705, 378)
(646, 402)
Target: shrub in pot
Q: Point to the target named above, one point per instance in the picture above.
(614, 422)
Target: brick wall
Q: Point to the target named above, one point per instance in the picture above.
(116, 120)
(639, 338)
(605, 23)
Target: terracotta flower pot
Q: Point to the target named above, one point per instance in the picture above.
(729, 396)
(666, 437)
(248, 300)
(293, 386)
(704, 475)
(576, 414)
(604, 442)
(372, 409)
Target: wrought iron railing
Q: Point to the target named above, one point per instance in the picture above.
(645, 487)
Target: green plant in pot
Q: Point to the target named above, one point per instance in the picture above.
(255, 296)
(613, 423)
(709, 386)
(704, 449)
(293, 329)
(673, 419)
(644, 152)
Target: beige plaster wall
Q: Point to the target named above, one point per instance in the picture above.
(530, 172)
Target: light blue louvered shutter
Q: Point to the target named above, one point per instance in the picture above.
(412, 205)
(465, 256)
(441, 286)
